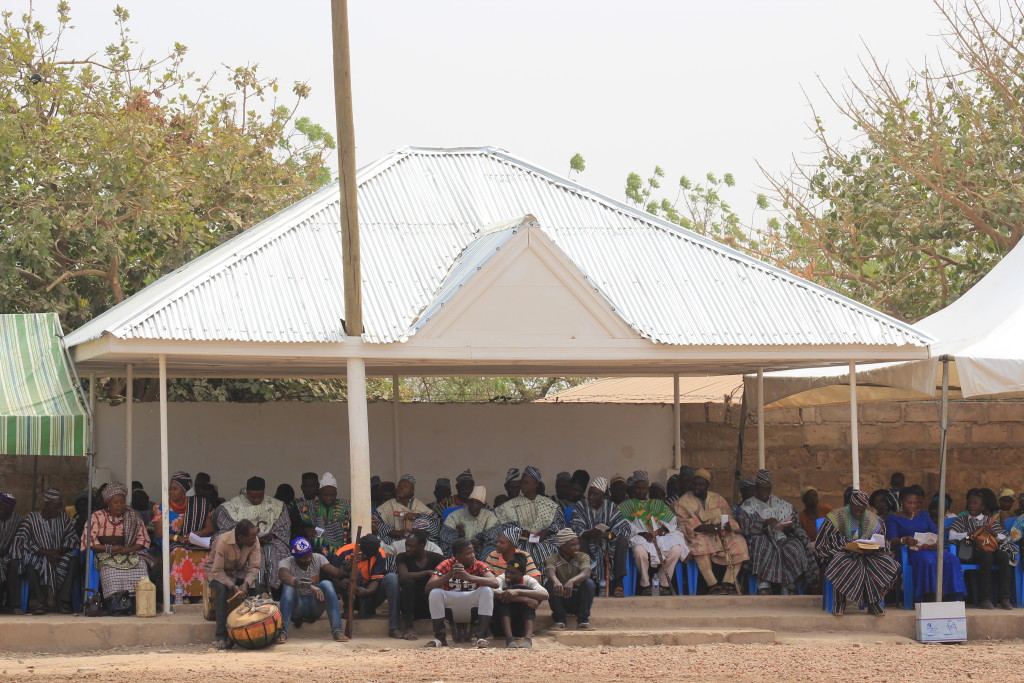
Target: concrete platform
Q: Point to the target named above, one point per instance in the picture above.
(619, 622)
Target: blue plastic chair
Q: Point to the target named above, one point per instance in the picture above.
(692, 576)
(92, 575)
(24, 596)
(630, 581)
(908, 579)
(974, 577)
(448, 511)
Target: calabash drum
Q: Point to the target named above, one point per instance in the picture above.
(255, 624)
(209, 609)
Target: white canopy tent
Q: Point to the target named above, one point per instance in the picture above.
(977, 353)
(476, 262)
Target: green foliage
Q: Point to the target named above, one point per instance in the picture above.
(577, 164)
(117, 170)
(930, 195)
(485, 389)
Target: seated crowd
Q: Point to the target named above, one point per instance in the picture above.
(484, 568)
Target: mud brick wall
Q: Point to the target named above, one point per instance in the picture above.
(811, 446)
(68, 474)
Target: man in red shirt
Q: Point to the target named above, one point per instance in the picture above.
(461, 583)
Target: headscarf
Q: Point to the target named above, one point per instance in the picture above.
(564, 536)
(114, 488)
(532, 471)
(8, 500)
(301, 547)
(182, 479)
(746, 483)
(687, 471)
(409, 478)
(54, 494)
(512, 533)
(1006, 493)
(599, 483)
(804, 490)
(763, 477)
(464, 476)
(256, 484)
(328, 480)
(512, 474)
(859, 499)
(563, 476)
(703, 474)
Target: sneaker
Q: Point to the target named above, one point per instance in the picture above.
(558, 626)
(220, 644)
(527, 643)
(585, 626)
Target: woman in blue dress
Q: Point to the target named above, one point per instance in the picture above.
(900, 529)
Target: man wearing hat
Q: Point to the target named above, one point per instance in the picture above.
(307, 590)
(780, 552)
(655, 537)
(538, 516)
(44, 544)
(604, 535)
(401, 511)
(271, 520)
(472, 522)
(10, 580)
(442, 492)
(516, 601)
(712, 533)
(511, 487)
(563, 490)
(570, 588)
(329, 519)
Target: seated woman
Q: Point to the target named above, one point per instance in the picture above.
(859, 575)
(118, 540)
(187, 516)
(980, 520)
(900, 529)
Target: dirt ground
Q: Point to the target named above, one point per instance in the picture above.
(800, 659)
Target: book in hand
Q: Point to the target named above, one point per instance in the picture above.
(876, 542)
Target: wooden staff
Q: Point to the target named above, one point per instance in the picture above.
(607, 565)
(353, 577)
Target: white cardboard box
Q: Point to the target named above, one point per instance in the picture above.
(941, 622)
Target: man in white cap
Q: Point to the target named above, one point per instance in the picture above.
(401, 511)
(569, 586)
(330, 517)
(469, 522)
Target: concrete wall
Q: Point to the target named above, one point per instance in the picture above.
(279, 441)
(804, 446)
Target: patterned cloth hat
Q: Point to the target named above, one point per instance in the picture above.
(564, 536)
(512, 474)
(464, 476)
(763, 477)
(532, 472)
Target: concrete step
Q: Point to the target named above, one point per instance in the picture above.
(744, 636)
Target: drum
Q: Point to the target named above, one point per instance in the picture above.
(209, 612)
(255, 624)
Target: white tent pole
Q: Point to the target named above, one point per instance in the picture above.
(943, 442)
(396, 398)
(358, 444)
(165, 502)
(92, 393)
(129, 423)
(760, 419)
(676, 417)
(854, 436)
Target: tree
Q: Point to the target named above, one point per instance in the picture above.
(931, 193)
(116, 169)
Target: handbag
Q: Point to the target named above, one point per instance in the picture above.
(120, 604)
(93, 604)
(984, 540)
(965, 550)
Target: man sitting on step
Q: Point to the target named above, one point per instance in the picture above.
(518, 597)
(569, 586)
(308, 590)
(461, 583)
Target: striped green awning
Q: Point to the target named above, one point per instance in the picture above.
(41, 412)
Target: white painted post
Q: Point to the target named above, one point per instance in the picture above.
(358, 444)
(165, 503)
(676, 418)
(396, 398)
(854, 436)
(129, 424)
(760, 418)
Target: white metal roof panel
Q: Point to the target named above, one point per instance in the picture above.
(419, 209)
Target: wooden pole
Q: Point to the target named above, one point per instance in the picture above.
(760, 418)
(346, 169)
(676, 427)
(854, 435)
(129, 423)
(164, 484)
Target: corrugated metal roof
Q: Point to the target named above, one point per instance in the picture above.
(659, 390)
(419, 209)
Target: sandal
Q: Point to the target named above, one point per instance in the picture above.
(409, 635)
(281, 639)
(717, 589)
(618, 592)
(527, 643)
(510, 643)
(482, 643)
(396, 633)
(646, 590)
(340, 636)
(435, 643)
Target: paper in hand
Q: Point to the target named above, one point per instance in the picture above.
(534, 538)
(201, 541)
(926, 538)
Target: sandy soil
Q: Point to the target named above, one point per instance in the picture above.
(799, 659)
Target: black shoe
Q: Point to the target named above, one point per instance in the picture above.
(986, 604)
(1005, 604)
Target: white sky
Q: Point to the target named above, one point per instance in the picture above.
(692, 86)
